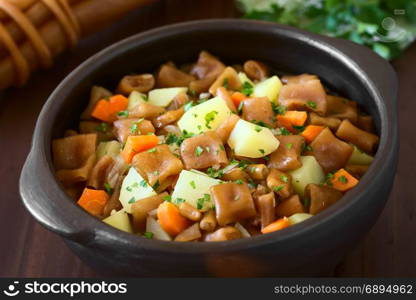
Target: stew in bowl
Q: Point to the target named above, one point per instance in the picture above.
(209, 152)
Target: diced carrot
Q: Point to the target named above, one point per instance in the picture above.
(93, 201)
(106, 110)
(292, 118)
(237, 97)
(170, 219)
(136, 144)
(343, 181)
(311, 132)
(276, 225)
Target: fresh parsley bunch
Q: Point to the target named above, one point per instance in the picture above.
(386, 26)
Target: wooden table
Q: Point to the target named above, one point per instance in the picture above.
(27, 249)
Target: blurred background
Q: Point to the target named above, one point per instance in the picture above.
(388, 27)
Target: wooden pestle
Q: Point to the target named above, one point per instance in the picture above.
(92, 15)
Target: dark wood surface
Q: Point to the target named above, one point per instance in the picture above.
(28, 250)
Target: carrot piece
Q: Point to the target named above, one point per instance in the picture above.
(93, 201)
(311, 132)
(237, 97)
(170, 219)
(343, 181)
(106, 110)
(276, 225)
(292, 118)
(136, 144)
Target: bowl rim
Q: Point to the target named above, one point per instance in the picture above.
(101, 232)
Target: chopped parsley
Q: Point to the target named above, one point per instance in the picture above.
(284, 178)
(306, 148)
(284, 131)
(279, 109)
(123, 113)
(211, 172)
(198, 151)
(208, 149)
(171, 139)
(225, 83)
(278, 188)
(148, 235)
(129, 189)
(188, 105)
(156, 185)
(192, 93)
(260, 123)
(252, 184)
(200, 202)
(174, 139)
(179, 201)
(210, 117)
(134, 128)
(343, 179)
(258, 128)
(289, 145)
(247, 88)
(299, 128)
(311, 104)
(108, 188)
(239, 181)
(192, 184)
(167, 198)
(132, 200)
(103, 127)
(328, 178)
(222, 147)
(262, 151)
(152, 150)
(143, 183)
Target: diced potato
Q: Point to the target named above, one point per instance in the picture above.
(111, 148)
(251, 140)
(135, 98)
(173, 147)
(359, 158)
(297, 218)
(309, 172)
(134, 188)
(163, 97)
(193, 185)
(205, 116)
(119, 220)
(244, 78)
(268, 88)
(154, 227)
